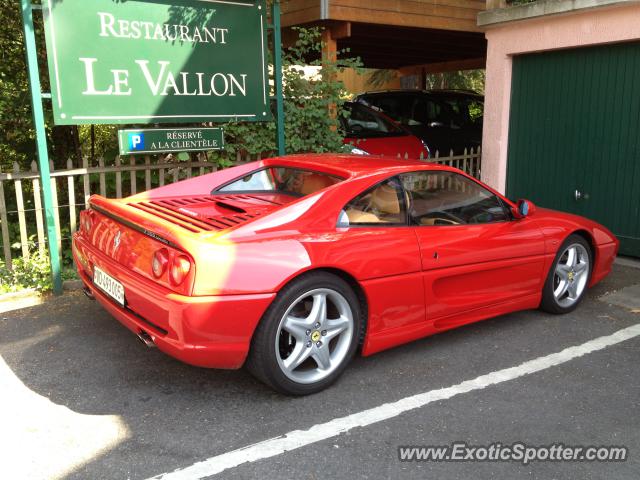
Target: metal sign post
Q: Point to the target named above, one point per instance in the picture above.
(41, 140)
(277, 69)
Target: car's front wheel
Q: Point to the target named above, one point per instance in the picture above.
(307, 336)
(569, 276)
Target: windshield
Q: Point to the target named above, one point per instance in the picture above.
(282, 180)
(362, 122)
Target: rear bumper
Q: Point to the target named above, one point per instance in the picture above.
(211, 331)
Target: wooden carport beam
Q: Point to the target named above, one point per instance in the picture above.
(337, 30)
(340, 30)
(453, 15)
(441, 67)
(330, 36)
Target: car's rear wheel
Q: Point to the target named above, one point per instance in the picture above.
(307, 336)
(568, 277)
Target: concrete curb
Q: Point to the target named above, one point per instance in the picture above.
(628, 262)
(31, 297)
(17, 300)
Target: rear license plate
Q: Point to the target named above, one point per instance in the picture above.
(109, 285)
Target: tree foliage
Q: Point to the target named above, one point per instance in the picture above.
(16, 129)
(309, 99)
(462, 80)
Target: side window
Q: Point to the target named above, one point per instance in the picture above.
(448, 198)
(420, 112)
(381, 205)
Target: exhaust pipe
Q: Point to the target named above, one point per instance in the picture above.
(145, 338)
(87, 292)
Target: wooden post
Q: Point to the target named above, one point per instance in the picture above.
(85, 181)
(56, 212)
(132, 162)
(103, 183)
(329, 57)
(71, 187)
(37, 203)
(118, 178)
(161, 173)
(6, 241)
(24, 238)
(202, 157)
(147, 173)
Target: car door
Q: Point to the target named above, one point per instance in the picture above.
(474, 253)
(374, 241)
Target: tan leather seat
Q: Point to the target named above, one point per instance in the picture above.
(385, 200)
(314, 182)
(358, 216)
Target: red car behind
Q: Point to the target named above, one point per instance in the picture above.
(371, 132)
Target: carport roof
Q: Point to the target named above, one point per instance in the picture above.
(395, 34)
(386, 46)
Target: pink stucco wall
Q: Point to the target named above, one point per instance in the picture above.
(579, 28)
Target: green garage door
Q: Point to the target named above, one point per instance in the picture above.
(574, 135)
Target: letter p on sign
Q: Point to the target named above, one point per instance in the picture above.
(136, 141)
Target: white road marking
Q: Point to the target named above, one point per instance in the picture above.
(300, 438)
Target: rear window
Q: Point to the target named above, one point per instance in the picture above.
(283, 180)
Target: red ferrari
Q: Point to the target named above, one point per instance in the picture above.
(291, 265)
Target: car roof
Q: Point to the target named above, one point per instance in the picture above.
(353, 166)
(438, 93)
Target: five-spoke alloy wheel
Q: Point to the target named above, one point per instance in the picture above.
(569, 276)
(308, 335)
(318, 327)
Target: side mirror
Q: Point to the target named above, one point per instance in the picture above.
(524, 208)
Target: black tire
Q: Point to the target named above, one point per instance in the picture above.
(263, 358)
(549, 301)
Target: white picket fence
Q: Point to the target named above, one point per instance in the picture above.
(72, 187)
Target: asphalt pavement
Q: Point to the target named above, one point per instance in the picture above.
(81, 398)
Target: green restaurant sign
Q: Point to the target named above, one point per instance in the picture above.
(155, 61)
(163, 140)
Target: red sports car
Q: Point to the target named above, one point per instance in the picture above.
(291, 265)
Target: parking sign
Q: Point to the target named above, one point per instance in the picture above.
(136, 142)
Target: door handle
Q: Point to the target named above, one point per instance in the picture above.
(580, 195)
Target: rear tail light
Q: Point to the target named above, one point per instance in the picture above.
(160, 262)
(179, 269)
